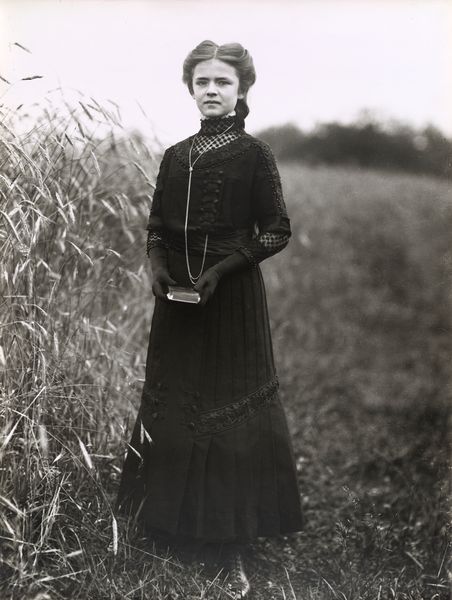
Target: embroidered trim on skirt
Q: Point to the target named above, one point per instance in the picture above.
(212, 457)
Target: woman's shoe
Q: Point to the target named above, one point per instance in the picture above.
(238, 585)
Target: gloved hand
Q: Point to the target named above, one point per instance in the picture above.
(160, 282)
(160, 275)
(206, 285)
(209, 280)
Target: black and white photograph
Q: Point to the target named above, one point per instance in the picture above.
(225, 299)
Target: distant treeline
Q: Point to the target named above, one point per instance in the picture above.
(365, 144)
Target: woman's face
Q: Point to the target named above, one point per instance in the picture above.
(215, 87)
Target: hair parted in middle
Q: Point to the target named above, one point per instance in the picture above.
(233, 54)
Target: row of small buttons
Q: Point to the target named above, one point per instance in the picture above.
(192, 407)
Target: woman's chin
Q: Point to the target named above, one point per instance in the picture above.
(213, 111)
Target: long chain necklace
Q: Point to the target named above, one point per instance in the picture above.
(194, 278)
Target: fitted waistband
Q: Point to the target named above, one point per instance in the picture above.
(218, 243)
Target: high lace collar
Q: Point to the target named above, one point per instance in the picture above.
(216, 125)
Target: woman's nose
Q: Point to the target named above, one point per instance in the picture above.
(211, 88)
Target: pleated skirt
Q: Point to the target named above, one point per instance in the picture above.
(210, 455)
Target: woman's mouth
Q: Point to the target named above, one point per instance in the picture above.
(211, 102)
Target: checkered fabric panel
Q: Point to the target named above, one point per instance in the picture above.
(204, 142)
(273, 241)
(155, 239)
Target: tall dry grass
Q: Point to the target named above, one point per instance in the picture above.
(74, 319)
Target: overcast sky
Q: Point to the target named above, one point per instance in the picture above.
(315, 60)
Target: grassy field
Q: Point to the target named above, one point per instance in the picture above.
(360, 307)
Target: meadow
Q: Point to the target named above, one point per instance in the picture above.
(360, 305)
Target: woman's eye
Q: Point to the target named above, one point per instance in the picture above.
(204, 83)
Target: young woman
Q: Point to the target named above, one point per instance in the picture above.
(212, 458)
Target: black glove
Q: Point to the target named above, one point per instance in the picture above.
(160, 275)
(230, 264)
(206, 285)
(209, 280)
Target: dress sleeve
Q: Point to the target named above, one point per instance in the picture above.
(268, 209)
(157, 234)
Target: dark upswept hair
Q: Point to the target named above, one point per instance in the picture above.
(233, 54)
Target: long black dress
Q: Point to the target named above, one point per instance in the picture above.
(211, 457)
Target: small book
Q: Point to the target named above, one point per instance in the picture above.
(183, 294)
